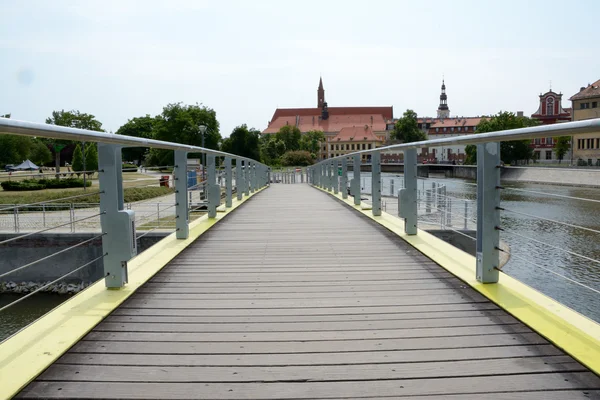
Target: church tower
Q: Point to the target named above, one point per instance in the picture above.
(320, 94)
(443, 111)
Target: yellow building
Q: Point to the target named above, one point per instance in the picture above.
(586, 147)
(351, 139)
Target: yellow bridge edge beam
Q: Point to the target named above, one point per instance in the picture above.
(570, 331)
(30, 351)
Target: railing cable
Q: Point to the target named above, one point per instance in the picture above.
(562, 196)
(50, 201)
(551, 220)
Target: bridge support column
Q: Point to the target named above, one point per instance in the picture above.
(488, 215)
(355, 182)
(239, 179)
(119, 243)
(213, 190)
(334, 170)
(228, 183)
(344, 178)
(407, 197)
(181, 197)
(376, 183)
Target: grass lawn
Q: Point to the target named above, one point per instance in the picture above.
(167, 222)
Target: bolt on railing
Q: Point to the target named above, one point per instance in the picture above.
(119, 240)
(488, 183)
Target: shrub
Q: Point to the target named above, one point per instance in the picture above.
(14, 186)
(298, 158)
(129, 167)
(64, 183)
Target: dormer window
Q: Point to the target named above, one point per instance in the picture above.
(550, 106)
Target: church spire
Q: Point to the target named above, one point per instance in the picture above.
(443, 111)
(320, 94)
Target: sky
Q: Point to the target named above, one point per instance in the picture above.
(119, 59)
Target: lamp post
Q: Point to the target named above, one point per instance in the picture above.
(202, 129)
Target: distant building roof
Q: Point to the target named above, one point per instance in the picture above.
(387, 112)
(356, 133)
(450, 122)
(592, 90)
(334, 123)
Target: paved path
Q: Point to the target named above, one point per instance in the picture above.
(296, 296)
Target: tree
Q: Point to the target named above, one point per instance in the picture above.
(407, 130)
(78, 159)
(142, 127)
(91, 157)
(39, 153)
(180, 123)
(290, 135)
(562, 146)
(510, 151)
(300, 158)
(14, 149)
(311, 141)
(243, 142)
(73, 119)
(271, 149)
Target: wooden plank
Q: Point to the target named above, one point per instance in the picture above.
(473, 341)
(294, 319)
(438, 369)
(323, 358)
(311, 390)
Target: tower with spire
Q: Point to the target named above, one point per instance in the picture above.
(443, 111)
(320, 94)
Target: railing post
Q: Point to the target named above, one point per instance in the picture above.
(119, 243)
(376, 183)
(228, 182)
(344, 178)
(239, 179)
(407, 196)
(181, 197)
(254, 178)
(213, 190)
(335, 178)
(488, 215)
(355, 183)
(392, 187)
(247, 178)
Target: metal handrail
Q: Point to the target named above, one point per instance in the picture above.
(25, 128)
(562, 129)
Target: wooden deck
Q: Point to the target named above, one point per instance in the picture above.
(296, 296)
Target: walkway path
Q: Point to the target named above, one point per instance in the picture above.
(296, 296)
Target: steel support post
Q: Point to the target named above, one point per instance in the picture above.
(213, 190)
(119, 243)
(488, 214)
(247, 178)
(239, 179)
(336, 182)
(181, 196)
(392, 187)
(407, 197)
(344, 178)
(376, 183)
(228, 182)
(254, 177)
(355, 183)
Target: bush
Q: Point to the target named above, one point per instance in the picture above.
(63, 183)
(129, 167)
(298, 158)
(15, 186)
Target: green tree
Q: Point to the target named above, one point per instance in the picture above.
(91, 157)
(407, 130)
(510, 151)
(14, 149)
(180, 123)
(39, 153)
(78, 160)
(311, 141)
(562, 146)
(243, 142)
(73, 119)
(290, 135)
(142, 127)
(299, 158)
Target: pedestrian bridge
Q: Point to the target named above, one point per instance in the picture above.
(295, 291)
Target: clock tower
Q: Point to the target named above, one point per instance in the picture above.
(443, 111)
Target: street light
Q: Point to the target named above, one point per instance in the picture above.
(202, 129)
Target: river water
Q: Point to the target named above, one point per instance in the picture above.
(545, 256)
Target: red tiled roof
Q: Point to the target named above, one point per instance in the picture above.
(355, 133)
(386, 112)
(592, 90)
(334, 123)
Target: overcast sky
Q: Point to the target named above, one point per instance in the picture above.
(119, 59)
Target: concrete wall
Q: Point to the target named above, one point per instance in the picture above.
(457, 240)
(462, 171)
(23, 251)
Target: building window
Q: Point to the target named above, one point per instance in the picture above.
(352, 146)
(536, 155)
(584, 106)
(594, 104)
(452, 129)
(537, 141)
(331, 147)
(474, 128)
(444, 129)
(550, 106)
(459, 128)
(548, 155)
(437, 129)
(589, 144)
(549, 141)
(364, 146)
(370, 146)
(579, 144)
(598, 143)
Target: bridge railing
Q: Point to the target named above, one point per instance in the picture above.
(239, 175)
(333, 175)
